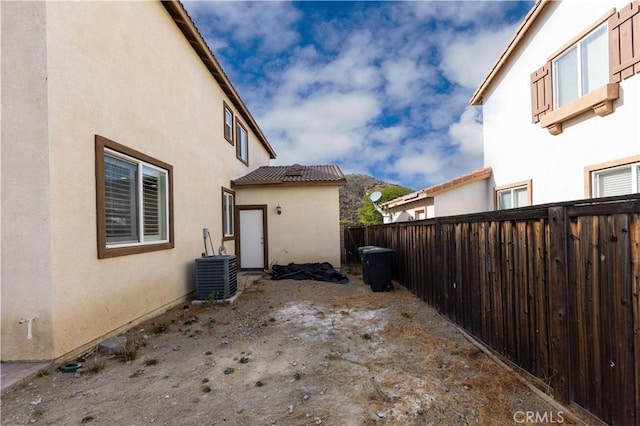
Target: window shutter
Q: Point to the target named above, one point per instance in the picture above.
(541, 90)
(624, 43)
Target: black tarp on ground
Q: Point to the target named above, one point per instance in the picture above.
(308, 271)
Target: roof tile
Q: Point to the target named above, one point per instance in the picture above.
(295, 174)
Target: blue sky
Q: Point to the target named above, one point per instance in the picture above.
(379, 88)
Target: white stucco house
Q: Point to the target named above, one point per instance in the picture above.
(561, 105)
(561, 108)
(122, 139)
(462, 194)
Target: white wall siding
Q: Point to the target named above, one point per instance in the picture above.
(519, 150)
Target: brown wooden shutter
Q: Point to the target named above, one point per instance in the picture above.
(624, 43)
(541, 92)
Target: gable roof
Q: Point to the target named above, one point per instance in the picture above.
(440, 188)
(513, 44)
(182, 19)
(292, 175)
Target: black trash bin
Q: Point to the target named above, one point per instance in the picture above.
(365, 268)
(379, 262)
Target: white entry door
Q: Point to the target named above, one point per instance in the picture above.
(251, 239)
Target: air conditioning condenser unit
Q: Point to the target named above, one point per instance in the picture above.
(216, 277)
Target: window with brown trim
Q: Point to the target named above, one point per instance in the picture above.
(584, 74)
(513, 195)
(228, 122)
(242, 143)
(134, 201)
(228, 214)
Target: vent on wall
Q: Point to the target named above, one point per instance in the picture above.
(216, 277)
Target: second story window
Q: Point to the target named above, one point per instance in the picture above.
(228, 123)
(242, 143)
(582, 68)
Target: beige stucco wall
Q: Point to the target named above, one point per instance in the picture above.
(308, 230)
(407, 211)
(25, 223)
(124, 71)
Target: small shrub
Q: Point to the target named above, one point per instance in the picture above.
(43, 373)
(212, 299)
(87, 419)
(205, 380)
(206, 389)
(128, 353)
(229, 370)
(150, 362)
(259, 384)
(243, 360)
(366, 336)
(160, 328)
(96, 366)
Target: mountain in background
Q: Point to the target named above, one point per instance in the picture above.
(351, 195)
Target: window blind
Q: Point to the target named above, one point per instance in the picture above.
(615, 182)
(153, 202)
(120, 200)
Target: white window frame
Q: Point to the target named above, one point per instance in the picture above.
(140, 165)
(242, 143)
(635, 185)
(227, 125)
(578, 47)
(511, 188)
(228, 214)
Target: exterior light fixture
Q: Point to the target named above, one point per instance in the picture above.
(278, 209)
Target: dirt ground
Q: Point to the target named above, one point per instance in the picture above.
(288, 353)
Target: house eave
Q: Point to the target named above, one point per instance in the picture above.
(518, 37)
(181, 18)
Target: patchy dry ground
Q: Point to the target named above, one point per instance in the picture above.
(288, 353)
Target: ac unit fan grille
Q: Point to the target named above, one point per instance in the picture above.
(216, 277)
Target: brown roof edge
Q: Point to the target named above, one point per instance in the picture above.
(459, 181)
(279, 183)
(529, 19)
(179, 14)
(441, 188)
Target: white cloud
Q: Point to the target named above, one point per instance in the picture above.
(321, 128)
(405, 78)
(466, 133)
(468, 57)
(269, 22)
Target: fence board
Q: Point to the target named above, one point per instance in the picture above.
(634, 243)
(554, 288)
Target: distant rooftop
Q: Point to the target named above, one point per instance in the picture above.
(432, 191)
(292, 175)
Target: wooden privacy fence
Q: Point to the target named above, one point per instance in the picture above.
(554, 288)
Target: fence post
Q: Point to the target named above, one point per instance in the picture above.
(558, 295)
(438, 285)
